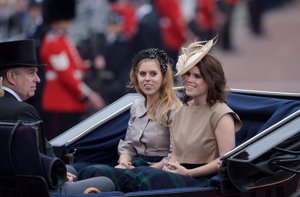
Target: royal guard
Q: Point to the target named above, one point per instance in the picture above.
(65, 95)
(206, 18)
(129, 17)
(173, 26)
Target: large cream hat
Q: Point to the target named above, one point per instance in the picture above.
(192, 55)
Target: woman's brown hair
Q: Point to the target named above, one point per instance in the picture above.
(213, 74)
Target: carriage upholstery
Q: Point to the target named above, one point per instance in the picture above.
(259, 112)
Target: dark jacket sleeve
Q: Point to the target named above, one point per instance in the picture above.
(30, 114)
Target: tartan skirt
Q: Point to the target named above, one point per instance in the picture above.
(112, 172)
(147, 178)
(142, 177)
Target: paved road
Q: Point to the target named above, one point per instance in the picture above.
(271, 62)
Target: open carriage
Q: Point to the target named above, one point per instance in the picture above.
(266, 161)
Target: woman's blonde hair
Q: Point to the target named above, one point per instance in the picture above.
(167, 98)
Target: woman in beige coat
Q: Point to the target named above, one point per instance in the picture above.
(148, 137)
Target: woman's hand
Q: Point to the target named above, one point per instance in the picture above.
(124, 165)
(176, 168)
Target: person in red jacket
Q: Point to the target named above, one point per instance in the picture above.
(172, 25)
(127, 11)
(206, 18)
(65, 94)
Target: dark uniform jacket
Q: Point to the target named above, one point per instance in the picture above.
(12, 110)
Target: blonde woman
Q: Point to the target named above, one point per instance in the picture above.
(148, 137)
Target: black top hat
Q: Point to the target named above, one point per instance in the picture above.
(56, 10)
(20, 53)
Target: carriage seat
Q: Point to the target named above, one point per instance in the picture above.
(21, 172)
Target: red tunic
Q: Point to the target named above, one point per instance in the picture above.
(172, 23)
(130, 21)
(205, 15)
(63, 91)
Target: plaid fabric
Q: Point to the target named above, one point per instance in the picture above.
(111, 172)
(142, 177)
(147, 178)
(101, 170)
(144, 161)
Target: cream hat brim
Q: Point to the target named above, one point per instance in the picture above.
(193, 60)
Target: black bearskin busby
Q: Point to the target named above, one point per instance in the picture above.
(54, 10)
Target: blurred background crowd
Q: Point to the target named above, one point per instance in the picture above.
(107, 33)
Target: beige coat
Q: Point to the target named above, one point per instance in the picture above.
(144, 137)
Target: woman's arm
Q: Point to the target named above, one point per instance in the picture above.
(225, 135)
(125, 147)
(158, 165)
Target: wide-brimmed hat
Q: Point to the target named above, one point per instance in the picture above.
(20, 53)
(192, 55)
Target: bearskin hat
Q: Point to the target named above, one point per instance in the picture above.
(54, 10)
